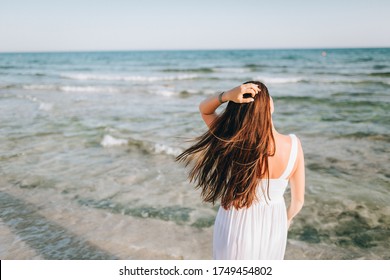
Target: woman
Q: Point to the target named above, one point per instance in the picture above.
(243, 161)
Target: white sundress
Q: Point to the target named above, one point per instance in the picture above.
(260, 231)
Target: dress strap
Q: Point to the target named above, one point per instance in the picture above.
(292, 158)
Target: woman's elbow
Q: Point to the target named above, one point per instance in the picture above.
(299, 202)
(200, 107)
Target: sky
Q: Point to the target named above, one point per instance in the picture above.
(93, 25)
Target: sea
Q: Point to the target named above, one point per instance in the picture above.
(88, 143)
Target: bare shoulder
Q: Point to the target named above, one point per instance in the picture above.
(285, 140)
(284, 137)
(298, 141)
(300, 149)
(296, 136)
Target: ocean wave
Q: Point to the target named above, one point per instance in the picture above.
(367, 134)
(331, 101)
(164, 149)
(279, 80)
(40, 87)
(354, 94)
(291, 57)
(141, 145)
(169, 93)
(43, 106)
(379, 66)
(82, 76)
(71, 88)
(254, 65)
(106, 89)
(6, 86)
(166, 92)
(109, 141)
(380, 74)
(293, 80)
(364, 82)
(310, 99)
(197, 70)
(175, 213)
(39, 74)
(7, 67)
(208, 70)
(28, 97)
(174, 92)
(88, 89)
(232, 70)
(362, 59)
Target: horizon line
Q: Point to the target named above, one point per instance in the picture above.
(200, 49)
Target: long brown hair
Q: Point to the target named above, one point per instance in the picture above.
(232, 155)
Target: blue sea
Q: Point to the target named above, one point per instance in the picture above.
(88, 142)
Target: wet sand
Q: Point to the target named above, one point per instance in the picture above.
(82, 233)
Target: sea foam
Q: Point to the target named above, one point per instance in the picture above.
(88, 89)
(149, 147)
(166, 92)
(103, 77)
(45, 106)
(40, 87)
(109, 141)
(67, 88)
(164, 149)
(279, 80)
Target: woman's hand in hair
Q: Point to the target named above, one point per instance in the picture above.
(237, 94)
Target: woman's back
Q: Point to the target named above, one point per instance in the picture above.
(278, 162)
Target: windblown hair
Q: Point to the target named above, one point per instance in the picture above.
(232, 155)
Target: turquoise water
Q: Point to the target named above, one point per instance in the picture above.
(97, 133)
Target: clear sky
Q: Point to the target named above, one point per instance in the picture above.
(71, 25)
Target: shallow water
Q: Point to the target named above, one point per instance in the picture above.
(93, 136)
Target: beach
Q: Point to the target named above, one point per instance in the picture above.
(89, 139)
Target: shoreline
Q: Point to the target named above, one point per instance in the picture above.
(116, 236)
